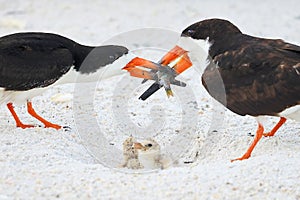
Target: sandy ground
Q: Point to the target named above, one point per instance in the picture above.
(83, 162)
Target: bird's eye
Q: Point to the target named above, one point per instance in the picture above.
(148, 145)
(191, 32)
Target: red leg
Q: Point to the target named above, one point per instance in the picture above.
(47, 124)
(258, 136)
(18, 121)
(277, 126)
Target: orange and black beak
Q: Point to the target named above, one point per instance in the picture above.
(177, 54)
(137, 145)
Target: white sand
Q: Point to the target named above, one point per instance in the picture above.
(37, 163)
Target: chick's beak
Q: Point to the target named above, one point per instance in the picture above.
(138, 145)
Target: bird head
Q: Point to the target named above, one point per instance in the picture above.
(148, 146)
(197, 38)
(209, 29)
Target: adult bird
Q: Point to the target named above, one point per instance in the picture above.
(31, 63)
(249, 75)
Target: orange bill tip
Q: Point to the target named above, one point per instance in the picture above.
(133, 63)
(172, 55)
(139, 73)
(140, 62)
(183, 64)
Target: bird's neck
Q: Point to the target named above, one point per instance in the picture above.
(220, 45)
(197, 51)
(80, 54)
(92, 71)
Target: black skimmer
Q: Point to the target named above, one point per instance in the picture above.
(261, 76)
(30, 63)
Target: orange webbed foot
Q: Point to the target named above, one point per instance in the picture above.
(25, 125)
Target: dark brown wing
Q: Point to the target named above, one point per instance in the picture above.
(281, 45)
(259, 78)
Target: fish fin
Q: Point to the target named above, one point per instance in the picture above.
(178, 83)
(169, 92)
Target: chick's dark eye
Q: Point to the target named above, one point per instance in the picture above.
(148, 145)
